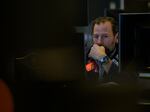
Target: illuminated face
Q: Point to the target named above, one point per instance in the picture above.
(103, 35)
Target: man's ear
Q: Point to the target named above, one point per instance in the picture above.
(116, 37)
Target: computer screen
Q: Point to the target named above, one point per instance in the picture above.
(134, 43)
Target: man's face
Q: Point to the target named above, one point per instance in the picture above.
(103, 35)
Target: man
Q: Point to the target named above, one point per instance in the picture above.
(103, 55)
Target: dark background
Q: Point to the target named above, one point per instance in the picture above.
(29, 25)
(35, 25)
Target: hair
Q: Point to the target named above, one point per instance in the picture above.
(103, 20)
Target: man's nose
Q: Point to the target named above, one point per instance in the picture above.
(99, 40)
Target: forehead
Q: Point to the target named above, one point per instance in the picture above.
(103, 27)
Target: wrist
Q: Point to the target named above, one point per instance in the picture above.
(104, 59)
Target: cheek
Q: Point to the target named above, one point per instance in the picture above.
(107, 42)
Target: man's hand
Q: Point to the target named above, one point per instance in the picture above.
(97, 52)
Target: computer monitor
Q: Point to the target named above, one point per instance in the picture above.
(134, 44)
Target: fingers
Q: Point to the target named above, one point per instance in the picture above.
(96, 51)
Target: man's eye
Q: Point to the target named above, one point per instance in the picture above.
(95, 36)
(105, 36)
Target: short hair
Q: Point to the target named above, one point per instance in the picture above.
(103, 20)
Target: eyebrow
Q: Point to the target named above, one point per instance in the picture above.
(105, 33)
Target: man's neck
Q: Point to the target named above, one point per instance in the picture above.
(113, 52)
